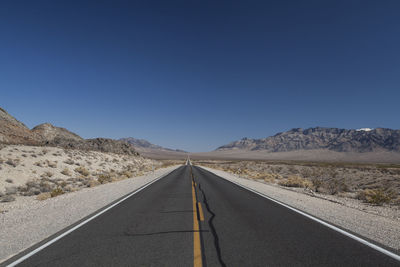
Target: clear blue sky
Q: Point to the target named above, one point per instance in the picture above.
(198, 74)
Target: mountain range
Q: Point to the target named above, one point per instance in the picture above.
(318, 143)
(334, 139)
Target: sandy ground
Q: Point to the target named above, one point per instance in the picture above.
(375, 223)
(47, 168)
(27, 221)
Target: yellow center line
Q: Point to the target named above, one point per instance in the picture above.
(197, 261)
(201, 214)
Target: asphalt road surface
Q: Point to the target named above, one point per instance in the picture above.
(192, 217)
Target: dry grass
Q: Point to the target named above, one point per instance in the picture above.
(105, 178)
(43, 196)
(56, 192)
(93, 183)
(66, 172)
(126, 174)
(47, 174)
(376, 196)
(82, 170)
(69, 162)
(51, 164)
(296, 181)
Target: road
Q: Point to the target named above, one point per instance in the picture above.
(192, 217)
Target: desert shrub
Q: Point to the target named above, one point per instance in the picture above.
(47, 174)
(316, 182)
(11, 162)
(376, 196)
(82, 170)
(127, 174)
(43, 196)
(66, 172)
(306, 172)
(45, 187)
(9, 181)
(52, 164)
(330, 172)
(7, 198)
(69, 162)
(296, 181)
(11, 190)
(31, 188)
(62, 183)
(38, 163)
(56, 192)
(104, 178)
(292, 169)
(335, 186)
(268, 177)
(93, 183)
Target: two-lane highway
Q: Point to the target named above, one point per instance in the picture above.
(192, 217)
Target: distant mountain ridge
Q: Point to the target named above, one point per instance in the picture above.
(335, 139)
(144, 144)
(13, 131)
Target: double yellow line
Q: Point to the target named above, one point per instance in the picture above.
(197, 215)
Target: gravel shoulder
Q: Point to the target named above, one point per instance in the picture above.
(374, 224)
(28, 221)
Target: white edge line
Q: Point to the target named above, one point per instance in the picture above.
(33, 252)
(337, 229)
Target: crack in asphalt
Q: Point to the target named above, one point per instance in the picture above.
(211, 225)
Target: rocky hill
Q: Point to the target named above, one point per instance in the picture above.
(340, 140)
(13, 131)
(153, 151)
(50, 133)
(97, 144)
(142, 144)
